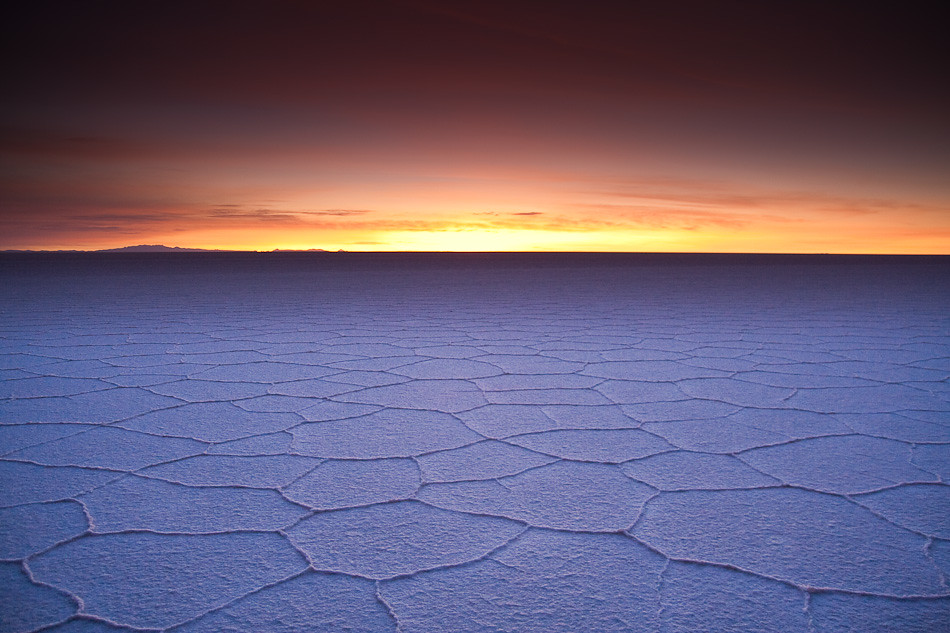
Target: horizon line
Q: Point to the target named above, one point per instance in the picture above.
(192, 251)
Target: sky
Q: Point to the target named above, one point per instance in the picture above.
(476, 126)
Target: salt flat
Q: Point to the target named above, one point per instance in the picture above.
(343, 442)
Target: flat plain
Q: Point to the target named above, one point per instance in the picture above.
(435, 443)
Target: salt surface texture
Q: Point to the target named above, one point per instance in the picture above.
(330, 442)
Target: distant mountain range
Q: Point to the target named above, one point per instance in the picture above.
(155, 248)
(161, 248)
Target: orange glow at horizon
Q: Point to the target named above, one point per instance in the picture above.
(500, 212)
(532, 240)
(469, 238)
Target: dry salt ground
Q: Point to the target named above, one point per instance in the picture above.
(442, 443)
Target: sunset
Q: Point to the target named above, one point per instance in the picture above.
(387, 126)
(436, 316)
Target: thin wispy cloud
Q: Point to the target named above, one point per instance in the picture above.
(338, 212)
